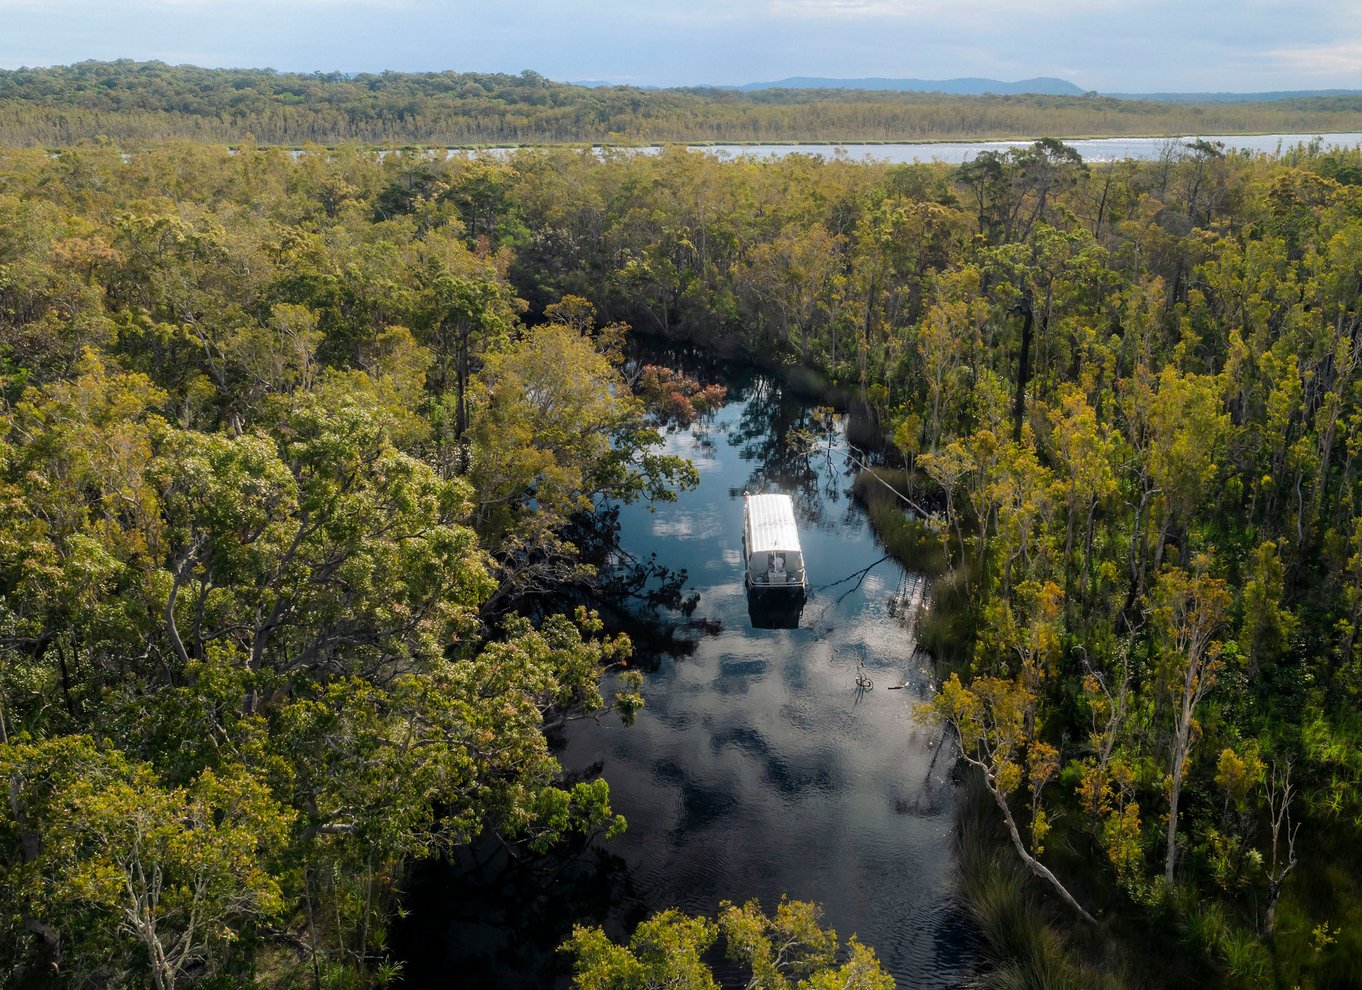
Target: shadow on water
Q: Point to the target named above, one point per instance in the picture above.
(775, 610)
(487, 918)
(778, 753)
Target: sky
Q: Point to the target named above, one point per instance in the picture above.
(1133, 46)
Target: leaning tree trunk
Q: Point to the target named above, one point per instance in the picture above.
(1034, 865)
(1023, 370)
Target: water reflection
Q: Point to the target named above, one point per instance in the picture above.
(1092, 149)
(759, 767)
(789, 447)
(775, 610)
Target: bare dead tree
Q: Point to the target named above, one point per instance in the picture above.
(1280, 795)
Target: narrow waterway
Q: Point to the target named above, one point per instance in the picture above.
(759, 767)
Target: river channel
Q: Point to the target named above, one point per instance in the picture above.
(759, 767)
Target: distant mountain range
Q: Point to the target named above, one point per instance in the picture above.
(968, 86)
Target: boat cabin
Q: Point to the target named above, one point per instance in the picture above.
(771, 544)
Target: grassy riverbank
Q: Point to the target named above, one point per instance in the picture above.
(886, 494)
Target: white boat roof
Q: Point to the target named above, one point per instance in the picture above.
(771, 524)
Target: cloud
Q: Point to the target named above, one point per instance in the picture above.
(960, 12)
(1122, 45)
(847, 9)
(1334, 58)
(63, 8)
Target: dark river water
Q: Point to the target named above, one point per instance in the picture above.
(758, 767)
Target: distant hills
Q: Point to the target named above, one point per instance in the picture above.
(971, 86)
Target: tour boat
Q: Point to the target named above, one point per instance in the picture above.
(774, 561)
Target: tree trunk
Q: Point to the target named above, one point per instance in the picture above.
(1087, 549)
(1274, 891)
(1180, 747)
(1034, 865)
(65, 680)
(1171, 852)
(1101, 209)
(461, 375)
(30, 843)
(1023, 371)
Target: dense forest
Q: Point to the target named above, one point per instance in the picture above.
(133, 103)
(291, 449)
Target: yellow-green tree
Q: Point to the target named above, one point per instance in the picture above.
(1189, 609)
(787, 950)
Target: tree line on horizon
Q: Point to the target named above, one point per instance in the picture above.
(132, 103)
